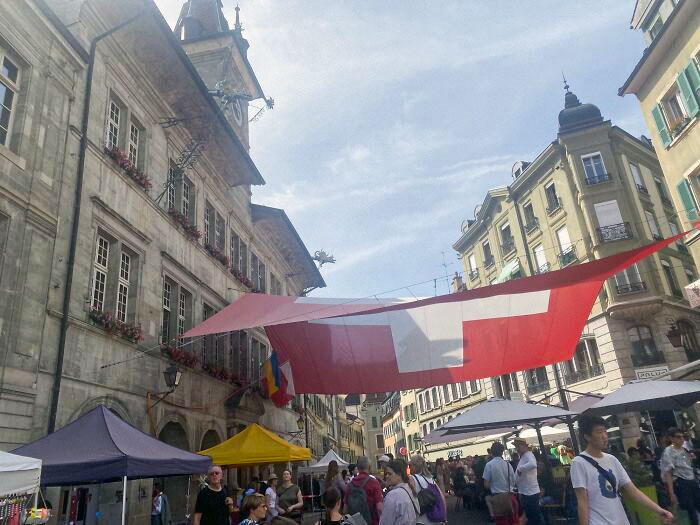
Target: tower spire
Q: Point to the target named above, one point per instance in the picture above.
(566, 85)
(238, 27)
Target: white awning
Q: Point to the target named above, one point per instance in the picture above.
(19, 474)
(508, 270)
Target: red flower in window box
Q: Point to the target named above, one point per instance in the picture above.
(122, 159)
(191, 231)
(218, 254)
(112, 326)
(180, 355)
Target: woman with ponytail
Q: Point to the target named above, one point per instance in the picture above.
(332, 500)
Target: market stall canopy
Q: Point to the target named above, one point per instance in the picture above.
(322, 464)
(338, 346)
(497, 413)
(100, 447)
(440, 435)
(558, 433)
(255, 446)
(578, 405)
(18, 474)
(648, 395)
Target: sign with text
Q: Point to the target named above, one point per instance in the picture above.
(692, 292)
(651, 372)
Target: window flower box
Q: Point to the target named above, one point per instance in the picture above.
(244, 280)
(218, 254)
(217, 372)
(190, 230)
(188, 359)
(111, 325)
(122, 159)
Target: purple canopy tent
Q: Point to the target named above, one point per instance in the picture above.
(100, 447)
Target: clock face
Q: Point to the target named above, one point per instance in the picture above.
(237, 112)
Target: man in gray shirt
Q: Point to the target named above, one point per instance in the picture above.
(677, 471)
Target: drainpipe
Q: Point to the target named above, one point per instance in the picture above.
(522, 231)
(56, 390)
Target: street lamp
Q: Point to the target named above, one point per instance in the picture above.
(675, 336)
(172, 376)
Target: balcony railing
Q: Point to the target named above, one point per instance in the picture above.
(544, 268)
(598, 179)
(532, 224)
(489, 261)
(648, 358)
(567, 256)
(614, 232)
(583, 374)
(631, 287)
(473, 274)
(642, 189)
(553, 204)
(507, 246)
(536, 388)
(666, 201)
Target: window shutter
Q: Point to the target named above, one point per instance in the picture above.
(661, 125)
(688, 201)
(688, 96)
(693, 75)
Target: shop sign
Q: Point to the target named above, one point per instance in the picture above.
(454, 453)
(651, 372)
(692, 292)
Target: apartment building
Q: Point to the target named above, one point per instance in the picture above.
(371, 409)
(593, 191)
(392, 425)
(666, 81)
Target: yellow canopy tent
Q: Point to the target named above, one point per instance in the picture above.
(255, 446)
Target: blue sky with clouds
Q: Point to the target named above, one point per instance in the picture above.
(393, 118)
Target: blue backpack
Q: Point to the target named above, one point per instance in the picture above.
(430, 500)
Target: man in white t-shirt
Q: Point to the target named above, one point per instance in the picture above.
(528, 487)
(597, 487)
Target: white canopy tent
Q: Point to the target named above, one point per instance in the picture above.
(322, 464)
(19, 474)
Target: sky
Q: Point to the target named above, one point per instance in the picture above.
(392, 119)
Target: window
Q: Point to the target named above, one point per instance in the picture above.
(99, 284)
(541, 263)
(644, 350)
(675, 231)
(262, 282)
(689, 340)
(123, 287)
(275, 285)
(173, 172)
(208, 344)
(235, 252)
(610, 224)
(9, 92)
(473, 269)
(530, 218)
(690, 274)
(425, 430)
(565, 246)
(690, 205)
(188, 199)
(241, 352)
(134, 134)
(380, 441)
(455, 393)
(585, 362)
(629, 280)
(374, 422)
(488, 256)
(536, 380)
(113, 125)
(656, 27)
(167, 318)
(421, 405)
(637, 177)
(431, 426)
(594, 168)
(184, 309)
(674, 108)
(208, 224)
(219, 232)
(446, 394)
(243, 258)
(463, 389)
(553, 201)
(436, 400)
(661, 188)
(474, 386)
(670, 278)
(653, 226)
(428, 404)
(508, 243)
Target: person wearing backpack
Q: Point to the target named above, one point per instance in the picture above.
(433, 508)
(598, 477)
(400, 504)
(364, 494)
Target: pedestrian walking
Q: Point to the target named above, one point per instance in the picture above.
(271, 497)
(364, 494)
(333, 477)
(290, 503)
(433, 508)
(499, 480)
(526, 480)
(679, 476)
(442, 475)
(213, 506)
(254, 509)
(160, 511)
(597, 478)
(401, 506)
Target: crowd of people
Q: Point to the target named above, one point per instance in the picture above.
(513, 487)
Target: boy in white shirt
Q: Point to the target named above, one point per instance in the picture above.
(597, 477)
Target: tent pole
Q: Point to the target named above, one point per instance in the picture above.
(124, 503)
(545, 454)
(574, 438)
(653, 432)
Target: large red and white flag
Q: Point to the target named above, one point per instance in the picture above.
(340, 346)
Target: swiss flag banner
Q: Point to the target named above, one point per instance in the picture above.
(338, 346)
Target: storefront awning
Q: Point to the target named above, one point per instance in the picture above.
(511, 268)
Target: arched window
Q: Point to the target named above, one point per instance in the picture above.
(432, 426)
(425, 430)
(689, 340)
(644, 351)
(439, 422)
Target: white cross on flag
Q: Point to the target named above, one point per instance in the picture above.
(340, 346)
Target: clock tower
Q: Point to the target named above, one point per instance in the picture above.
(220, 55)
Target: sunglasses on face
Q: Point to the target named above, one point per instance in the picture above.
(215, 473)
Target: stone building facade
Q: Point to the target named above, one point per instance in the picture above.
(125, 219)
(592, 192)
(393, 425)
(371, 409)
(666, 81)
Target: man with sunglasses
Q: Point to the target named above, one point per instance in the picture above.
(679, 476)
(213, 505)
